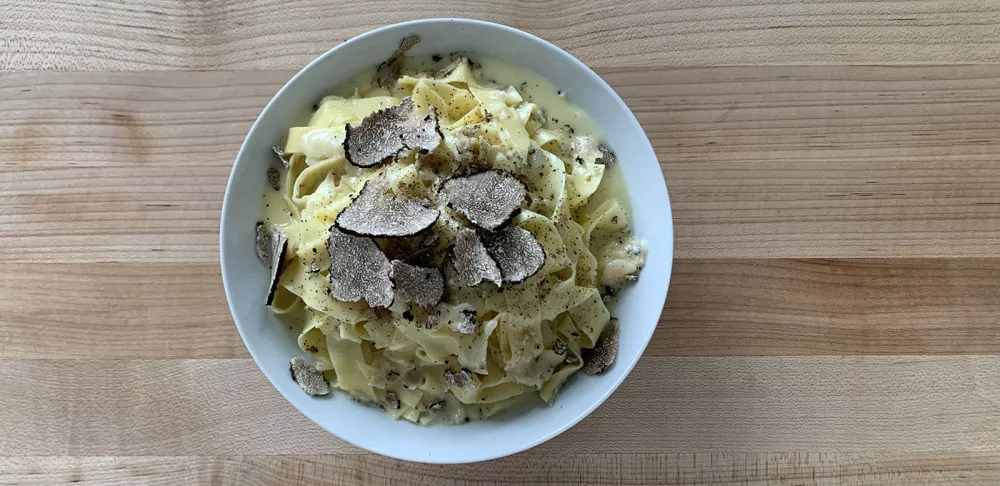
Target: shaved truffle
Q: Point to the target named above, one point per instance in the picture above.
(391, 400)
(516, 252)
(489, 199)
(419, 285)
(390, 70)
(472, 262)
(278, 246)
(389, 131)
(431, 320)
(597, 360)
(467, 322)
(358, 270)
(607, 155)
(282, 156)
(273, 178)
(559, 347)
(308, 377)
(458, 379)
(375, 212)
(263, 243)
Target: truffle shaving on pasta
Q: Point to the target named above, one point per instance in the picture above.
(449, 235)
(358, 270)
(472, 262)
(489, 199)
(376, 212)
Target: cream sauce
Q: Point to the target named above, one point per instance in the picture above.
(558, 108)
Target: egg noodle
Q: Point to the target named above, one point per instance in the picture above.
(529, 337)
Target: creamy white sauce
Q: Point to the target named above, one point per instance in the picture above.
(558, 108)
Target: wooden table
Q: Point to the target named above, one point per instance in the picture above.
(835, 173)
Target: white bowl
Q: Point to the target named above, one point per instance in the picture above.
(272, 346)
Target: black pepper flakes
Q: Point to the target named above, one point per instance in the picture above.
(408, 315)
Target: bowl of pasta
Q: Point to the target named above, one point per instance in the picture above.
(446, 241)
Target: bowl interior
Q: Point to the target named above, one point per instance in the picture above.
(269, 342)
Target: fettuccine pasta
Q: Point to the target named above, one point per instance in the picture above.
(483, 348)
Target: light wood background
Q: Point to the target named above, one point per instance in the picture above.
(834, 316)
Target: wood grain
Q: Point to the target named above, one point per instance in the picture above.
(791, 468)
(761, 162)
(871, 404)
(833, 169)
(715, 308)
(273, 34)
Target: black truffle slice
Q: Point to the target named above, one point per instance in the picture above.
(489, 199)
(273, 178)
(472, 262)
(458, 379)
(308, 377)
(282, 156)
(276, 251)
(389, 131)
(377, 213)
(358, 270)
(467, 322)
(390, 70)
(263, 243)
(391, 401)
(419, 285)
(516, 252)
(597, 360)
(607, 155)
